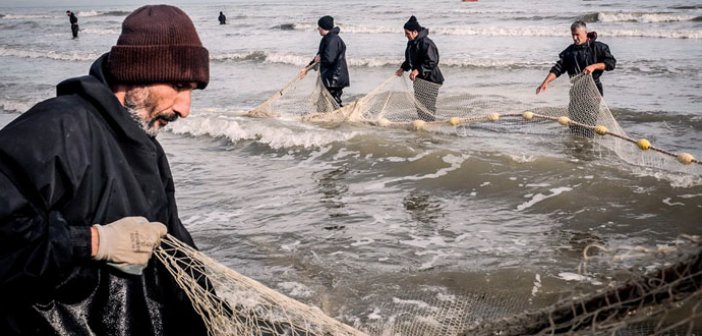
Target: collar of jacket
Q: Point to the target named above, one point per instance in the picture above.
(95, 88)
(422, 34)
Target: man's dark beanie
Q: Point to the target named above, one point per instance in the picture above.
(412, 24)
(326, 22)
(159, 44)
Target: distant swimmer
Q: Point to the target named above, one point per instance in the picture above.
(222, 18)
(585, 56)
(74, 23)
(422, 59)
(331, 57)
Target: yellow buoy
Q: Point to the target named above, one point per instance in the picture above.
(528, 115)
(453, 121)
(565, 121)
(685, 158)
(493, 116)
(601, 129)
(643, 144)
(383, 122)
(419, 125)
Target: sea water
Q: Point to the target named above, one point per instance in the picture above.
(354, 218)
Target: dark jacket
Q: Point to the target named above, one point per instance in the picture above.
(73, 19)
(421, 54)
(332, 52)
(576, 57)
(66, 164)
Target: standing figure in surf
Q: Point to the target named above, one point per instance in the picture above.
(422, 59)
(584, 56)
(74, 23)
(331, 57)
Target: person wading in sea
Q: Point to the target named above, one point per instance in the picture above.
(74, 23)
(422, 60)
(331, 57)
(585, 56)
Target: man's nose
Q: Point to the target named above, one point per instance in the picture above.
(182, 103)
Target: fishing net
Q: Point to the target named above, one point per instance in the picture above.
(665, 300)
(232, 304)
(421, 105)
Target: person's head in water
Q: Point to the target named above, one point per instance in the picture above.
(412, 28)
(157, 63)
(325, 24)
(69, 13)
(578, 31)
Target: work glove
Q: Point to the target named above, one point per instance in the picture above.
(127, 244)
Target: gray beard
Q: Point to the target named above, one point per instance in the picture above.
(139, 104)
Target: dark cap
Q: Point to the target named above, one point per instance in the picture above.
(326, 22)
(412, 24)
(159, 44)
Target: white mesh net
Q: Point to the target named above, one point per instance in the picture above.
(664, 301)
(420, 105)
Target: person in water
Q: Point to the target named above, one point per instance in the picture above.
(74, 23)
(422, 60)
(585, 56)
(331, 57)
(87, 191)
(222, 19)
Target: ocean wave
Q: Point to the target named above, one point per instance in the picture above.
(549, 31)
(102, 13)
(50, 54)
(103, 31)
(643, 17)
(371, 62)
(276, 136)
(28, 16)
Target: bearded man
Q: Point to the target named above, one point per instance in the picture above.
(86, 191)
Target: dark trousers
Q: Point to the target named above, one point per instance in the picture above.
(74, 30)
(336, 94)
(584, 107)
(426, 94)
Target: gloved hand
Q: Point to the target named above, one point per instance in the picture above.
(127, 244)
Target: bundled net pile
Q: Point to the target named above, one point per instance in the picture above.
(666, 301)
(421, 105)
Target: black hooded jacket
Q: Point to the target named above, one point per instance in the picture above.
(421, 54)
(73, 19)
(66, 164)
(575, 58)
(333, 68)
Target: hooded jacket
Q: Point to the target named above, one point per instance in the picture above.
(66, 164)
(333, 68)
(422, 55)
(575, 58)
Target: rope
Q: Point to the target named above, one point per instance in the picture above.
(643, 144)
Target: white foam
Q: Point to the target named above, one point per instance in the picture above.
(643, 17)
(275, 136)
(295, 289)
(540, 197)
(567, 276)
(524, 30)
(51, 54)
(667, 201)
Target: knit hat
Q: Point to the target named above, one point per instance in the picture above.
(412, 24)
(326, 22)
(159, 44)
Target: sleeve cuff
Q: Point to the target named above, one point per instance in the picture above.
(80, 239)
